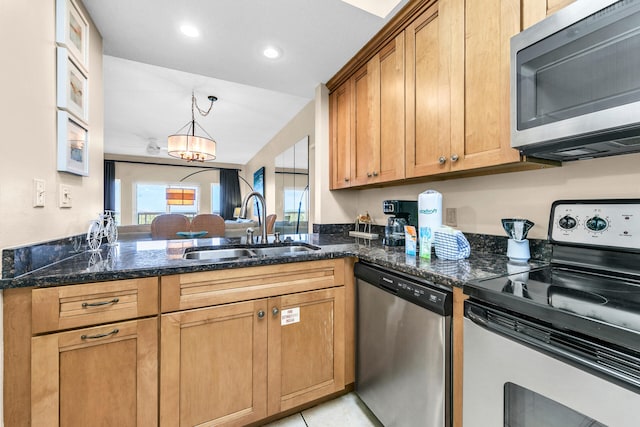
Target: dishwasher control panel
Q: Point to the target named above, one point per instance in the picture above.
(415, 290)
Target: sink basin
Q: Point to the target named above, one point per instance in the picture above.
(219, 254)
(231, 254)
(282, 250)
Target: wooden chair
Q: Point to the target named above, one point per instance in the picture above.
(271, 220)
(211, 223)
(166, 226)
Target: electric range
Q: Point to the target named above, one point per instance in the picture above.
(587, 298)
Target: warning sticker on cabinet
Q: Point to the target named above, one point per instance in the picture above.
(289, 316)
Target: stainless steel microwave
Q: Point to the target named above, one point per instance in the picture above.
(575, 82)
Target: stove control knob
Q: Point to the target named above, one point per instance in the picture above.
(596, 224)
(567, 222)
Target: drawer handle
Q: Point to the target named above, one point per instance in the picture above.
(98, 304)
(93, 337)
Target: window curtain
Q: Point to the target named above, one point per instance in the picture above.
(229, 192)
(109, 185)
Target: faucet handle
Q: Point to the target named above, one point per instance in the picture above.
(250, 232)
(276, 237)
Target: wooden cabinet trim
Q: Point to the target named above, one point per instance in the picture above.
(193, 290)
(457, 354)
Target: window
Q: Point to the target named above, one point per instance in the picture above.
(215, 198)
(151, 201)
(295, 201)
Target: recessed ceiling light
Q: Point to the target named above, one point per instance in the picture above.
(271, 52)
(189, 30)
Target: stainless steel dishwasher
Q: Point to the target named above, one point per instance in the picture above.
(403, 366)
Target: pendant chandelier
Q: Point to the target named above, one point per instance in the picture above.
(189, 146)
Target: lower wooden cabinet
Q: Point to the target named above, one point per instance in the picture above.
(306, 348)
(234, 364)
(227, 348)
(103, 375)
(213, 365)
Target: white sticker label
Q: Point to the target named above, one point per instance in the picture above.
(289, 316)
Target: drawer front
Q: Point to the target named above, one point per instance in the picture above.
(88, 304)
(194, 290)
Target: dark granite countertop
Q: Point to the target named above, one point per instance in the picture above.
(135, 259)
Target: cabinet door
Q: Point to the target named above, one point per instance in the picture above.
(104, 376)
(306, 347)
(362, 130)
(388, 130)
(213, 365)
(434, 88)
(340, 129)
(489, 26)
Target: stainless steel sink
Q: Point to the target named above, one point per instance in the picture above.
(219, 254)
(282, 250)
(231, 254)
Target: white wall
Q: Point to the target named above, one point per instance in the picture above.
(480, 201)
(28, 117)
(28, 111)
(330, 207)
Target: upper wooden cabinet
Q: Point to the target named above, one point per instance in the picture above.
(434, 89)
(367, 121)
(340, 136)
(489, 26)
(455, 84)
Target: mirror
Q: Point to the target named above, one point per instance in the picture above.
(292, 189)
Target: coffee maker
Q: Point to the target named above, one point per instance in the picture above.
(403, 212)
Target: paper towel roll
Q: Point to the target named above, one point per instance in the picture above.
(429, 214)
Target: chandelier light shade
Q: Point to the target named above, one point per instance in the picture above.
(191, 147)
(181, 196)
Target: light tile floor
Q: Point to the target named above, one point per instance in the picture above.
(346, 410)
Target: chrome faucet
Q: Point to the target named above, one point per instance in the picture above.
(263, 213)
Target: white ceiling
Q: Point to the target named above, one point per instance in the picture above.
(150, 68)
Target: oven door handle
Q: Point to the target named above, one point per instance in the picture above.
(478, 318)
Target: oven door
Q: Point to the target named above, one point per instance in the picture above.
(509, 383)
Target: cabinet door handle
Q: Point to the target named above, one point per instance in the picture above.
(93, 337)
(261, 314)
(98, 304)
(454, 158)
(275, 311)
(442, 160)
(346, 180)
(368, 175)
(375, 173)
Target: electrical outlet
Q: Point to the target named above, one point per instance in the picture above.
(451, 215)
(38, 193)
(65, 196)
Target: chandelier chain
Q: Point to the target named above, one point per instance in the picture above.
(194, 102)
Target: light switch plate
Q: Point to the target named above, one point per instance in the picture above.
(38, 193)
(65, 196)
